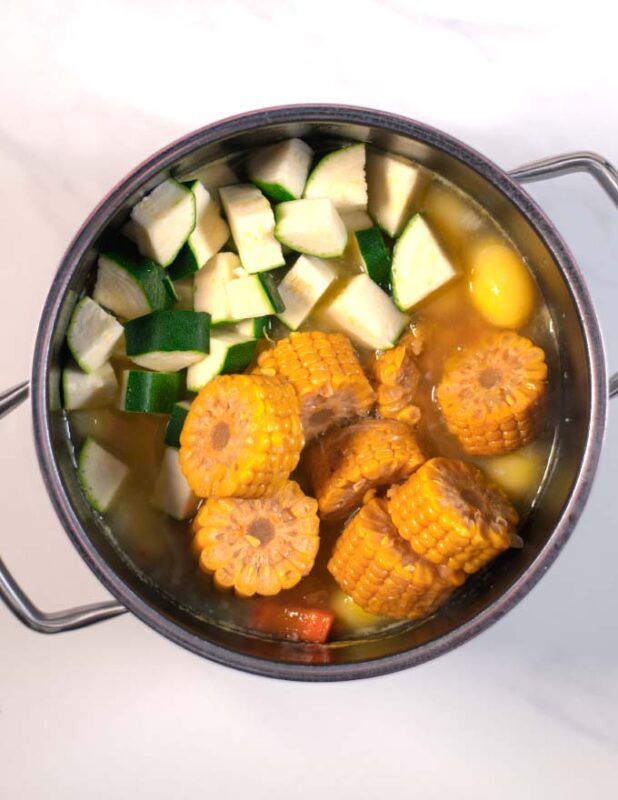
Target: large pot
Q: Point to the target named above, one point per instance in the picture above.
(581, 373)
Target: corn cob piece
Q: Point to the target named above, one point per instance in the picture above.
(395, 378)
(348, 462)
(492, 394)
(327, 376)
(453, 515)
(258, 546)
(242, 437)
(380, 571)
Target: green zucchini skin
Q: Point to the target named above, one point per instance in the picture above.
(175, 424)
(375, 255)
(168, 331)
(150, 277)
(150, 392)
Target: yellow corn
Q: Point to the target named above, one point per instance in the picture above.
(492, 394)
(380, 571)
(242, 437)
(326, 374)
(453, 515)
(346, 463)
(395, 378)
(258, 546)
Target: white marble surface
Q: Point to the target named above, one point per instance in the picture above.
(528, 709)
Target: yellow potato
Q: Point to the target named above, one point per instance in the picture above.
(501, 287)
(351, 614)
(517, 473)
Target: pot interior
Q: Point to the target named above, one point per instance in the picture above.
(488, 593)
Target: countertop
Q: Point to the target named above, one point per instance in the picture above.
(529, 708)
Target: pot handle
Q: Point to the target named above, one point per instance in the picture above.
(595, 165)
(23, 608)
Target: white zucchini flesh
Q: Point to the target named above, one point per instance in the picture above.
(89, 390)
(395, 189)
(366, 314)
(92, 334)
(172, 494)
(184, 289)
(209, 286)
(100, 474)
(252, 223)
(211, 231)
(312, 227)
(340, 177)
(302, 287)
(253, 328)
(163, 220)
(357, 220)
(280, 170)
(420, 265)
(229, 352)
(212, 177)
(252, 296)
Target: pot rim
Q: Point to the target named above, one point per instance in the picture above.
(246, 123)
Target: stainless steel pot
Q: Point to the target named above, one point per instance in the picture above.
(581, 373)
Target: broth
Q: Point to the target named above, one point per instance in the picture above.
(157, 547)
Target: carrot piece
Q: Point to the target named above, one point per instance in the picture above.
(293, 622)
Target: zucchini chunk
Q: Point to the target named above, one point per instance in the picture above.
(395, 189)
(149, 392)
(167, 341)
(163, 221)
(100, 474)
(366, 314)
(340, 177)
(312, 227)
(131, 286)
(92, 335)
(420, 265)
(209, 286)
(280, 170)
(302, 287)
(229, 352)
(373, 255)
(172, 494)
(254, 328)
(207, 238)
(88, 389)
(252, 223)
(176, 421)
(253, 296)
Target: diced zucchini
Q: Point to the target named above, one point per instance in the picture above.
(210, 294)
(280, 170)
(167, 341)
(229, 352)
(100, 474)
(420, 265)
(340, 176)
(88, 390)
(149, 392)
(312, 227)
(374, 256)
(395, 190)
(254, 328)
(253, 296)
(92, 334)
(366, 314)
(172, 494)
(357, 220)
(184, 291)
(252, 223)
(175, 424)
(163, 221)
(213, 177)
(207, 238)
(302, 287)
(130, 286)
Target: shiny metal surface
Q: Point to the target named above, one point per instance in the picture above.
(582, 161)
(23, 608)
(579, 380)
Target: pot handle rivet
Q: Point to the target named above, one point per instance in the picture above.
(595, 165)
(12, 594)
